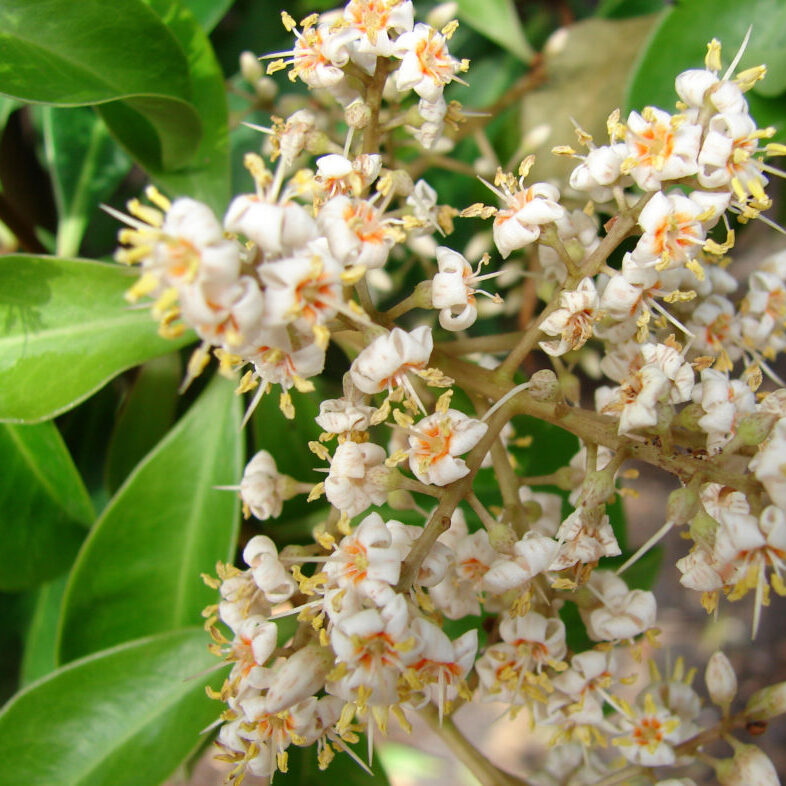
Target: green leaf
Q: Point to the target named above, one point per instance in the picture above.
(499, 21)
(66, 332)
(138, 571)
(208, 12)
(86, 166)
(126, 716)
(39, 654)
(44, 503)
(147, 414)
(680, 41)
(71, 54)
(207, 175)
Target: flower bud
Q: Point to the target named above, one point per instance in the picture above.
(502, 537)
(749, 767)
(767, 703)
(721, 681)
(299, 677)
(441, 14)
(688, 417)
(682, 505)
(250, 67)
(753, 429)
(544, 386)
(597, 488)
(357, 114)
(703, 528)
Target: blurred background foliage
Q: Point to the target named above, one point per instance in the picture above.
(106, 469)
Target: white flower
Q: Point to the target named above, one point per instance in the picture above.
(623, 614)
(306, 287)
(357, 477)
(436, 442)
(650, 732)
(366, 558)
(259, 487)
(376, 645)
(356, 232)
(769, 464)
(338, 416)
(660, 148)
(533, 554)
(518, 224)
(583, 540)
(385, 362)
(426, 64)
(600, 169)
(573, 321)
(716, 329)
(749, 766)
(543, 636)
(300, 676)
(370, 21)
(673, 232)
(423, 201)
(725, 401)
(454, 288)
(276, 229)
(275, 581)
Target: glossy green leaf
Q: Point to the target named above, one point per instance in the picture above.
(44, 503)
(126, 716)
(146, 415)
(138, 573)
(499, 21)
(70, 54)
(206, 177)
(208, 12)
(66, 331)
(39, 653)
(680, 42)
(86, 166)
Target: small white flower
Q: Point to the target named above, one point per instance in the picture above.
(275, 581)
(370, 21)
(426, 64)
(573, 321)
(582, 540)
(276, 229)
(259, 488)
(357, 477)
(533, 554)
(623, 614)
(527, 209)
(659, 148)
(436, 442)
(385, 363)
(454, 288)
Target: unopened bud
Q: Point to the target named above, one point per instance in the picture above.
(544, 386)
(767, 703)
(703, 529)
(357, 114)
(753, 429)
(682, 505)
(532, 510)
(689, 416)
(318, 143)
(597, 489)
(441, 14)
(749, 767)
(266, 89)
(250, 67)
(299, 677)
(502, 537)
(721, 681)
(401, 500)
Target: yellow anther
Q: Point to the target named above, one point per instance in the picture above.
(712, 60)
(526, 165)
(289, 23)
(747, 79)
(157, 198)
(450, 28)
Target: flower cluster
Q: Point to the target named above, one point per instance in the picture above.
(328, 640)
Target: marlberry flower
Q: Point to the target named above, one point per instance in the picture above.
(426, 65)
(436, 442)
(573, 321)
